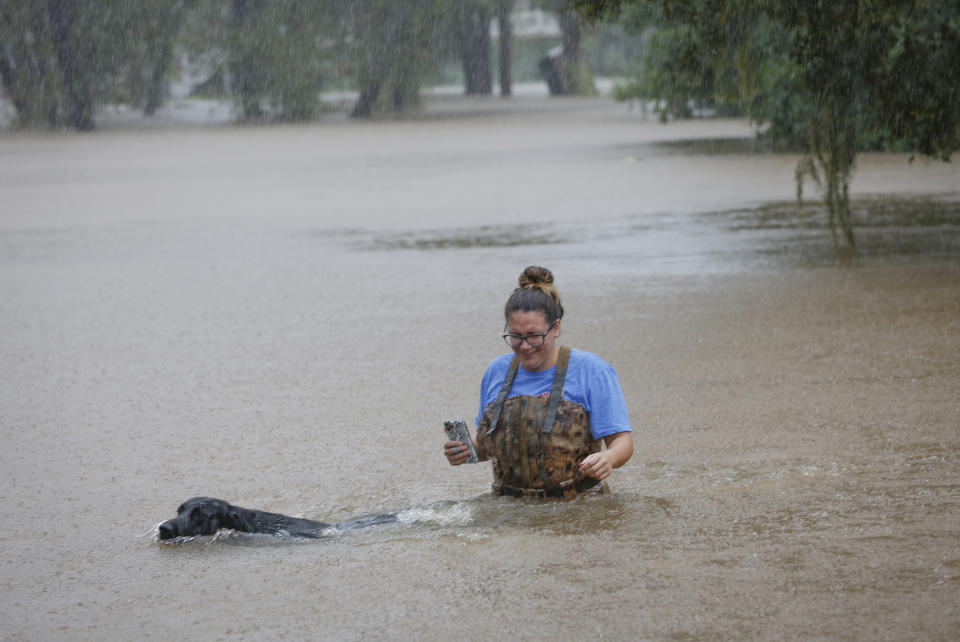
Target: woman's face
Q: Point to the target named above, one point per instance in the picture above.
(534, 359)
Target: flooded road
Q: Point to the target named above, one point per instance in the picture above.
(283, 317)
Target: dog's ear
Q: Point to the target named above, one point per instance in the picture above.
(234, 519)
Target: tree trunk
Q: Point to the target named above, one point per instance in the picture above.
(243, 67)
(475, 48)
(575, 78)
(157, 87)
(367, 100)
(504, 8)
(76, 82)
(394, 53)
(8, 77)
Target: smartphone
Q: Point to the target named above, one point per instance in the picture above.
(458, 431)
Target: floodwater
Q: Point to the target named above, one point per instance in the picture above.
(284, 317)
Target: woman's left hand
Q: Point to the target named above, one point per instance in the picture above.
(596, 465)
(619, 450)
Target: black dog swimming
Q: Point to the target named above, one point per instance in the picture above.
(207, 515)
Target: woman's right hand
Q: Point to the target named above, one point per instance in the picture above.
(456, 452)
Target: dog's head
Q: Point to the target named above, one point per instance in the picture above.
(198, 516)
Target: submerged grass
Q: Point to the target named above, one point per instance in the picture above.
(927, 224)
(882, 211)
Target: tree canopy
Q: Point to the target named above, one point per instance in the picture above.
(833, 77)
(60, 60)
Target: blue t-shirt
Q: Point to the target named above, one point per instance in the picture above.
(590, 382)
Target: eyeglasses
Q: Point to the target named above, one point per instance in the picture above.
(533, 340)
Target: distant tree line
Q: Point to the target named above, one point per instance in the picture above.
(59, 59)
(62, 59)
(830, 77)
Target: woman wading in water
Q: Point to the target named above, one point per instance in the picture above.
(545, 408)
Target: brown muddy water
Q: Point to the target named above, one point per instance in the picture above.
(283, 317)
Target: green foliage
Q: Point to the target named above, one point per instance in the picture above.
(393, 49)
(918, 79)
(275, 57)
(141, 47)
(831, 76)
(28, 63)
(60, 59)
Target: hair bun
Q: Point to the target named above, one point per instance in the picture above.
(535, 275)
(536, 293)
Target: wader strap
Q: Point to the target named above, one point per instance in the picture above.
(522, 436)
(557, 391)
(502, 395)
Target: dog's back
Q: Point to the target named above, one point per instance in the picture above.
(207, 515)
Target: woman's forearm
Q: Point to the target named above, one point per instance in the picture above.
(619, 448)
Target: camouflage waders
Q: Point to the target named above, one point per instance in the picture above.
(537, 443)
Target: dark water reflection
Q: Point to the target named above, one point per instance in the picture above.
(485, 236)
(712, 146)
(772, 234)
